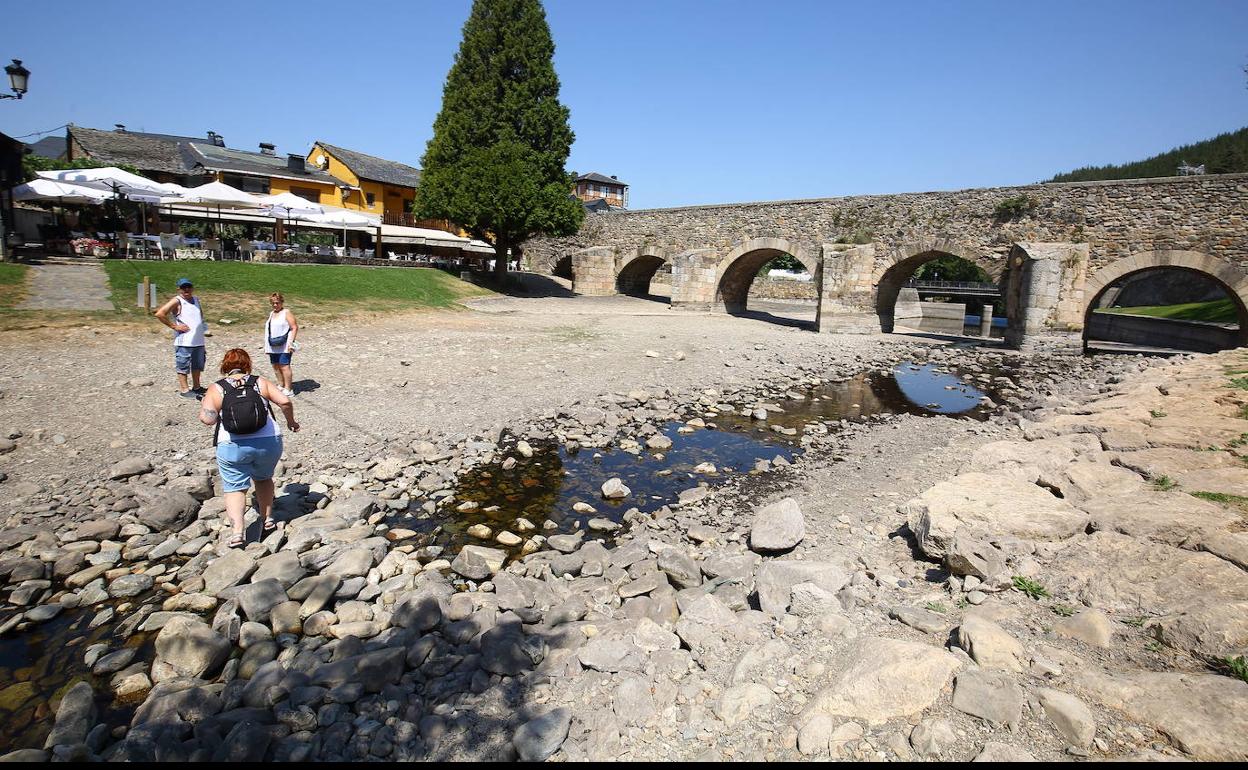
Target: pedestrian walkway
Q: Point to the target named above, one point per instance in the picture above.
(68, 287)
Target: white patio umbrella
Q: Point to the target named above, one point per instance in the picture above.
(287, 205)
(61, 192)
(344, 218)
(215, 195)
(109, 178)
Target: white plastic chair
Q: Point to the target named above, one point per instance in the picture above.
(167, 248)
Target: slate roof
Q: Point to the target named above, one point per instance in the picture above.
(595, 177)
(214, 158)
(48, 147)
(146, 152)
(375, 169)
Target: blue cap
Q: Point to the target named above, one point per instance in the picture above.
(184, 282)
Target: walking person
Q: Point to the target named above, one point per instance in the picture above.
(247, 437)
(187, 322)
(280, 332)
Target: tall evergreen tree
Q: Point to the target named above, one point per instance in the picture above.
(495, 164)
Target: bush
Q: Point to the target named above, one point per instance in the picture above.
(1013, 208)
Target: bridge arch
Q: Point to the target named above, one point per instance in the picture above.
(1230, 278)
(637, 268)
(900, 262)
(737, 270)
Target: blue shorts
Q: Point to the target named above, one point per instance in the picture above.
(188, 359)
(246, 460)
(280, 359)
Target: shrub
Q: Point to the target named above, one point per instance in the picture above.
(1013, 208)
(1030, 587)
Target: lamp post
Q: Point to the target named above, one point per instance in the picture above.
(19, 78)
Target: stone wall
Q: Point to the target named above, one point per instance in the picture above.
(1116, 219)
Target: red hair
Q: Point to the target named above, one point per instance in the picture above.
(236, 359)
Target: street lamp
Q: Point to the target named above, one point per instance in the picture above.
(19, 76)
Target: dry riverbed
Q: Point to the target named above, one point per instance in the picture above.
(1038, 583)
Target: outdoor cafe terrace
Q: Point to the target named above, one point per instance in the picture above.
(270, 224)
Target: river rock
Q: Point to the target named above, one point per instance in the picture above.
(74, 717)
(614, 489)
(1071, 716)
(777, 527)
(165, 510)
(990, 645)
(228, 570)
(741, 702)
(257, 599)
(537, 739)
(283, 566)
(188, 647)
(989, 507)
(989, 695)
(1090, 627)
(885, 678)
(477, 562)
(130, 585)
(1202, 714)
(131, 466)
(775, 580)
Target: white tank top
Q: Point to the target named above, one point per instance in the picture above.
(190, 314)
(270, 428)
(278, 325)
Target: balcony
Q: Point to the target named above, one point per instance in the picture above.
(406, 219)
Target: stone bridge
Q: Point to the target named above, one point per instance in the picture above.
(1053, 248)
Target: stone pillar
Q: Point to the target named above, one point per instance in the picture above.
(694, 276)
(985, 320)
(1036, 287)
(845, 292)
(593, 271)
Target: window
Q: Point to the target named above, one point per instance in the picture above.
(308, 195)
(372, 199)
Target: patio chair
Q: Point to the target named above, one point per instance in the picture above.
(212, 246)
(246, 250)
(168, 246)
(340, 251)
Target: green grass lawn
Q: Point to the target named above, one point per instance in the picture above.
(12, 283)
(1213, 311)
(238, 290)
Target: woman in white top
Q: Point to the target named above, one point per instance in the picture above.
(279, 342)
(251, 456)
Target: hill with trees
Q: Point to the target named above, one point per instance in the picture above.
(1224, 154)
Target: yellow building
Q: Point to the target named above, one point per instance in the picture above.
(370, 184)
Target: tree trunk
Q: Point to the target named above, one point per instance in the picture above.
(500, 261)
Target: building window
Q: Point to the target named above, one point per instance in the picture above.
(371, 199)
(308, 195)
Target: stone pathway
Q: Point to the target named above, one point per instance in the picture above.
(68, 287)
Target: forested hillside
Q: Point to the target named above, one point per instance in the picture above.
(1223, 154)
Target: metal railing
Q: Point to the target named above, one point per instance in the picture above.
(955, 286)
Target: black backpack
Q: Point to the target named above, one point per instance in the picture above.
(243, 409)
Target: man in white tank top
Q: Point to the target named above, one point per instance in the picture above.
(189, 351)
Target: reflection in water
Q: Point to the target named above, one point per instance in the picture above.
(546, 486)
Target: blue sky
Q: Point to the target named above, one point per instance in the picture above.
(689, 101)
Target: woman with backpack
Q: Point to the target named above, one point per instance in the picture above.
(280, 332)
(247, 437)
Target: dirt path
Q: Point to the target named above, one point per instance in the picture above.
(68, 287)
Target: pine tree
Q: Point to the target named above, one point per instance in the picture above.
(495, 164)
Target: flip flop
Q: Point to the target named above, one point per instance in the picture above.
(269, 525)
(238, 541)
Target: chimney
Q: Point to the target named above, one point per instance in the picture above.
(216, 139)
(268, 149)
(119, 128)
(296, 163)
(616, 178)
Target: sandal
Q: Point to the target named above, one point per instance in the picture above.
(269, 525)
(238, 541)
